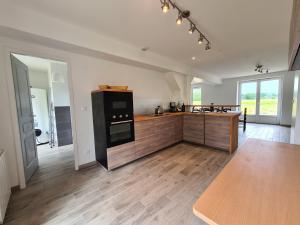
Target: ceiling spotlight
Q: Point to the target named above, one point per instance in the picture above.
(207, 46)
(194, 58)
(261, 68)
(192, 29)
(179, 19)
(200, 40)
(165, 6)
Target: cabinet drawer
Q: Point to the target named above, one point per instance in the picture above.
(120, 155)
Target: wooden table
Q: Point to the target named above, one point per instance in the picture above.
(259, 186)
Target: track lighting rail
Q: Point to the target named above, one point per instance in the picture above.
(185, 14)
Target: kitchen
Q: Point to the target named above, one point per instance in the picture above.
(129, 137)
(188, 161)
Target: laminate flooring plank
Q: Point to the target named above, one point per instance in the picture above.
(157, 189)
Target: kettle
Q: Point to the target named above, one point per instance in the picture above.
(159, 110)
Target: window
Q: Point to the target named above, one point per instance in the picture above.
(248, 97)
(261, 98)
(269, 97)
(196, 96)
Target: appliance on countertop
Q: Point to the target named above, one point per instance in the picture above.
(113, 120)
(159, 110)
(173, 107)
(183, 108)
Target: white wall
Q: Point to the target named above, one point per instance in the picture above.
(38, 79)
(6, 128)
(287, 98)
(226, 93)
(295, 129)
(86, 73)
(59, 84)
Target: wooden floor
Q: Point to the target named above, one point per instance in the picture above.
(158, 189)
(265, 132)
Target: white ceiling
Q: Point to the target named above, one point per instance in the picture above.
(243, 33)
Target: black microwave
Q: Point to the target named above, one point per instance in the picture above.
(118, 106)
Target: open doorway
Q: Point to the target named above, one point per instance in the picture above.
(44, 115)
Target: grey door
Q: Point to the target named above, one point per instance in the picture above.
(25, 116)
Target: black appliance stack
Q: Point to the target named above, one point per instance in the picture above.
(113, 120)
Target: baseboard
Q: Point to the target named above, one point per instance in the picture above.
(87, 165)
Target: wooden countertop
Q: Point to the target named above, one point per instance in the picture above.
(139, 118)
(260, 185)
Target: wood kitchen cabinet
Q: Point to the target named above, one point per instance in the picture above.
(120, 155)
(178, 127)
(144, 138)
(217, 132)
(193, 128)
(156, 134)
(221, 132)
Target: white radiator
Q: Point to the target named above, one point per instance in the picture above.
(4, 185)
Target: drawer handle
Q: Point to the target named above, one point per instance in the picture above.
(120, 122)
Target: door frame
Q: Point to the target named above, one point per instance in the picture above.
(268, 119)
(8, 50)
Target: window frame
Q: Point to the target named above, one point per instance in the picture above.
(257, 118)
(192, 93)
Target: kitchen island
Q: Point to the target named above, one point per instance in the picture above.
(260, 185)
(153, 133)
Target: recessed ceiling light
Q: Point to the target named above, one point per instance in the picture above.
(145, 49)
(194, 58)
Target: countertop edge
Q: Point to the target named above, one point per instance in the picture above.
(140, 118)
(202, 216)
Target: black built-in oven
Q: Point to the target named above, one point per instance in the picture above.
(118, 109)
